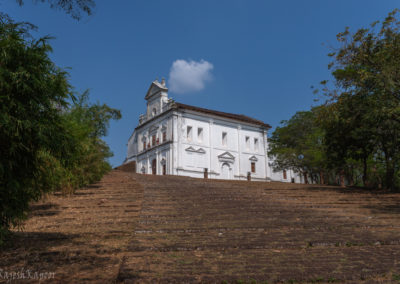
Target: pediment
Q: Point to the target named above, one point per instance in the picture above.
(253, 158)
(154, 89)
(191, 149)
(226, 156)
(153, 128)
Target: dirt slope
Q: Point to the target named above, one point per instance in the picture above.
(140, 228)
(80, 238)
(194, 230)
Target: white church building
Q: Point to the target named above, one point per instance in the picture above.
(178, 139)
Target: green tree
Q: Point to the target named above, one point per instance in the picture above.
(45, 144)
(84, 154)
(298, 145)
(365, 103)
(349, 143)
(32, 90)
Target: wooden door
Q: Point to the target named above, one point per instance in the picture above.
(154, 167)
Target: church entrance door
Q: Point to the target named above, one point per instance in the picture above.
(154, 167)
(225, 172)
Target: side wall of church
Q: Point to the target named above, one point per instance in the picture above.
(226, 149)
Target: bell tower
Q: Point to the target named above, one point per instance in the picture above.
(157, 98)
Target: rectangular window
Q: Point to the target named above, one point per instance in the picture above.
(189, 133)
(284, 174)
(153, 140)
(144, 145)
(253, 167)
(247, 143)
(255, 144)
(200, 134)
(164, 136)
(224, 138)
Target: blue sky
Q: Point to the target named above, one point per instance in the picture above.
(262, 55)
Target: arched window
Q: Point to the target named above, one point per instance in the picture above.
(154, 111)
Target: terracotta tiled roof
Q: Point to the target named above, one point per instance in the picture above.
(239, 117)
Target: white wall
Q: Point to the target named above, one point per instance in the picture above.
(196, 154)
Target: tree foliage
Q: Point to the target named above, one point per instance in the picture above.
(298, 145)
(360, 120)
(31, 87)
(84, 153)
(71, 7)
(366, 70)
(45, 144)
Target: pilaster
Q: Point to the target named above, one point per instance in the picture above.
(239, 150)
(210, 135)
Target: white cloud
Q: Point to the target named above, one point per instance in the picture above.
(189, 76)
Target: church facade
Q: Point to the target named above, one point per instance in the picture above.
(178, 139)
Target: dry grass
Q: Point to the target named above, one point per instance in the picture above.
(81, 238)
